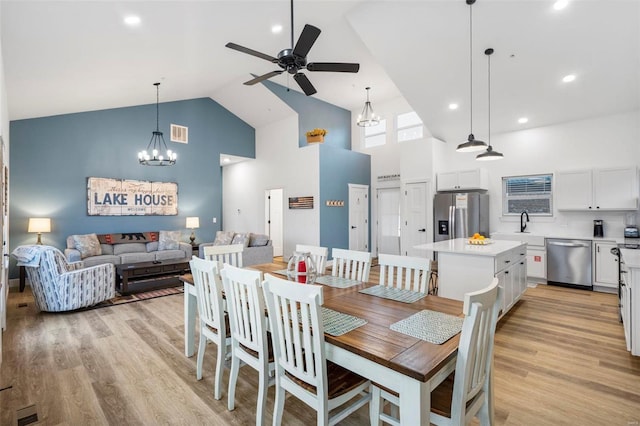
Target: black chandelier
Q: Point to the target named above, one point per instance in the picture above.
(157, 153)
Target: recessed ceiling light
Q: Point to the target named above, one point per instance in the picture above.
(132, 20)
(276, 29)
(560, 4)
(453, 106)
(522, 120)
(569, 78)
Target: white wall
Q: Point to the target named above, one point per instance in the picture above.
(598, 142)
(279, 163)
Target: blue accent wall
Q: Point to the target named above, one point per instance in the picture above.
(314, 113)
(339, 168)
(52, 157)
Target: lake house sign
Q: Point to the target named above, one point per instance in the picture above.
(121, 197)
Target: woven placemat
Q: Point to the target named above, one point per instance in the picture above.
(431, 326)
(338, 282)
(397, 294)
(336, 323)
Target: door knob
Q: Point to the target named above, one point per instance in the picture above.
(422, 230)
(353, 227)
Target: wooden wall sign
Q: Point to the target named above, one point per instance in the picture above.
(121, 197)
(300, 202)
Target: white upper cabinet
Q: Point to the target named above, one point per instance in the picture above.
(463, 180)
(597, 189)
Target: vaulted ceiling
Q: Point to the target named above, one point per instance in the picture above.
(64, 57)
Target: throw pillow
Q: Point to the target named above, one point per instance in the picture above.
(169, 240)
(88, 245)
(223, 238)
(258, 240)
(241, 238)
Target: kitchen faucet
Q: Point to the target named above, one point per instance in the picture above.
(523, 224)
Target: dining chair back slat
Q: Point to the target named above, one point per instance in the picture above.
(213, 321)
(249, 340)
(229, 254)
(404, 272)
(351, 264)
(318, 254)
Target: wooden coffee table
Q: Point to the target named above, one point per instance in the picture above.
(150, 275)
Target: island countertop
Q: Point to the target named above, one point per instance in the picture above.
(461, 246)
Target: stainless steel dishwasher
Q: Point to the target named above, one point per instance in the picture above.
(569, 262)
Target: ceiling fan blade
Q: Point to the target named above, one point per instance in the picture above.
(308, 36)
(333, 66)
(251, 52)
(304, 84)
(259, 78)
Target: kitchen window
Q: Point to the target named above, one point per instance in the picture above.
(531, 193)
(375, 135)
(409, 127)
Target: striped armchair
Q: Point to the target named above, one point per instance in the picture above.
(61, 286)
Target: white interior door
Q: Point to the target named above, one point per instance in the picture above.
(388, 224)
(274, 219)
(358, 217)
(417, 217)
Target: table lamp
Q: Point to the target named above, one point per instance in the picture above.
(193, 223)
(39, 225)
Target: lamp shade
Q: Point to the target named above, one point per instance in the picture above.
(193, 222)
(39, 224)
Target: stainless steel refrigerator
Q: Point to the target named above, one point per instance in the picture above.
(460, 215)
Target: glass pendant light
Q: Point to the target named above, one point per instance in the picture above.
(157, 153)
(472, 144)
(489, 154)
(367, 117)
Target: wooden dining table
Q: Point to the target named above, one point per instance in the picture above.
(407, 365)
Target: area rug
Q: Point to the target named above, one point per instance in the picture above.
(137, 297)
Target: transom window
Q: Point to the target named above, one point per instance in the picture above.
(532, 193)
(409, 127)
(375, 135)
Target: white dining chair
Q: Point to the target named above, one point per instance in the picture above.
(468, 392)
(318, 254)
(351, 264)
(230, 254)
(214, 324)
(250, 343)
(404, 272)
(301, 366)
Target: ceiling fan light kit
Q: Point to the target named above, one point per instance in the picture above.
(157, 153)
(489, 154)
(472, 144)
(367, 117)
(293, 60)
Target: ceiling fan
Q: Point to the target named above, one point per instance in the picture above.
(294, 59)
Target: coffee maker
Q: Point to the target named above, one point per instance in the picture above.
(598, 228)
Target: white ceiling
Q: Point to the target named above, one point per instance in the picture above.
(63, 57)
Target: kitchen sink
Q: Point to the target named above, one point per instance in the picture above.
(525, 237)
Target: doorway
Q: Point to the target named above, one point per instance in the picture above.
(358, 217)
(388, 223)
(273, 220)
(417, 217)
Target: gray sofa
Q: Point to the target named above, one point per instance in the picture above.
(127, 252)
(258, 248)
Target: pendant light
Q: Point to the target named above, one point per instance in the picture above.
(367, 117)
(489, 154)
(160, 155)
(472, 144)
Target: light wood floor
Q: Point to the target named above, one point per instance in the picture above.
(560, 359)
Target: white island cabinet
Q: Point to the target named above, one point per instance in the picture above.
(630, 299)
(463, 268)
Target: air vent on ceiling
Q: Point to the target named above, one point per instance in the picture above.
(179, 134)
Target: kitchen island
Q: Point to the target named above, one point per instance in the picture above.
(630, 298)
(463, 268)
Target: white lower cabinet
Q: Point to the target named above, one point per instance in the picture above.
(537, 262)
(512, 277)
(605, 265)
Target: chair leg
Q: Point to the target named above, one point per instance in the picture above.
(375, 407)
(233, 378)
(278, 406)
(263, 384)
(202, 345)
(222, 352)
